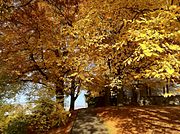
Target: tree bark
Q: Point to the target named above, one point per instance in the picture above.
(150, 92)
(74, 94)
(60, 93)
(134, 97)
(120, 97)
(167, 88)
(164, 90)
(72, 101)
(107, 96)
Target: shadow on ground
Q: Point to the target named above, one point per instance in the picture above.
(88, 123)
(141, 120)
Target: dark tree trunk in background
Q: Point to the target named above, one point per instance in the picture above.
(134, 97)
(120, 97)
(147, 91)
(167, 88)
(150, 92)
(164, 90)
(107, 96)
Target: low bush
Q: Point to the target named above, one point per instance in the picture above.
(47, 115)
(44, 116)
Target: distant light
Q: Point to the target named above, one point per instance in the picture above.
(29, 74)
(32, 31)
(16, 3)
(1, 33)
(6, 113)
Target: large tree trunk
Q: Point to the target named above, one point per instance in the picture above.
(60, 93)
(60, 96)
(72, 102)
(74, 93)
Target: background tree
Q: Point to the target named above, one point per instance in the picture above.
(103, 26)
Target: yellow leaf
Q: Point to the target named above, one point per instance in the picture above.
(170, 71)
(72, 75)
(174, 47)
(82, 76)
(143, 46)
(147, 53)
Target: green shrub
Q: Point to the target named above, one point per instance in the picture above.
(17, 126)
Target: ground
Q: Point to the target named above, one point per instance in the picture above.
(125, 120)
(141, 120)
(87, 122)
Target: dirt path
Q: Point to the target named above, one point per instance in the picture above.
(88, 123)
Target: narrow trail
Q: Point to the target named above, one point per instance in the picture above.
(88, 123)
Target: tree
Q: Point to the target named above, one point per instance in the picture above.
(36, 43)
(150, 48)
(50, 41)
(105, 29)
(156, 45)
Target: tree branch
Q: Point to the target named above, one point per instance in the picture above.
(38, 67)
